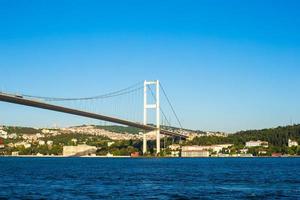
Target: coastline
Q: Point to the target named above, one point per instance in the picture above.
(141, 157)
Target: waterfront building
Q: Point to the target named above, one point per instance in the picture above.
(175, 153)
(262, 152)
(191, 154)
(135, 154)
(194, 151)
(80, 150)
(1, 144)
(109, 155)
(257, 143)
(174, 147)
(247, 155)
(244, 151)
(213, 148)
(221, 155)
(292, 143)
(15, 153)
(276, 154)
(218, 148)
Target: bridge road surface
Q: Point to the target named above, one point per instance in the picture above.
(16, 99)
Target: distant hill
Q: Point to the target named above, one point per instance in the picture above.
(21, 130)
(276, 136)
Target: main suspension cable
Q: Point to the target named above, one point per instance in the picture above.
(170, 104)
(121, 92)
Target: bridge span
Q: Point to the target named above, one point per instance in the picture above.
(16, 99)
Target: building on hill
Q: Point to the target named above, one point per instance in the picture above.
(3, 134)
(74, 140)
(292, 143)
(13, 136)
(257, 143)
(24, 144)
(49, 142)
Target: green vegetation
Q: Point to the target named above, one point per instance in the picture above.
(276, 137)
(124, 148)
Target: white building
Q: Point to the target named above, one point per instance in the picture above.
(218, 148)
(109, 144)
(27, 145)
(293, 143)
(194, 151)
(49, 143)
(262, 152)
(42, 142)
(3, 134)
(214, 148)
(74, 140)
(257, 143)
(80, 150)
(174, 147)
(175, 153)
(244, 151)
(45, 131)
(24, 144)
(13, 136)
(38, 135)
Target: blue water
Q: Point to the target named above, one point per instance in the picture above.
(96, 178)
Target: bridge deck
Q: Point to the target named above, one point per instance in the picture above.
(38, 104)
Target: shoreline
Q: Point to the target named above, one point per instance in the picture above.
(141, 157)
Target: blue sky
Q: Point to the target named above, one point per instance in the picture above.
(227, 65)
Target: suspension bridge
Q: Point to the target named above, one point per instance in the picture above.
(144, 95)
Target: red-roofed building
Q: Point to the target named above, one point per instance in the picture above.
(135, 154)
(1, 144)
(276, 154)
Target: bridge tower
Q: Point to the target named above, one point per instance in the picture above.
(156, 106)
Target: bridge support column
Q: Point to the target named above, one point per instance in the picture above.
(157, 119)
(157, 142)
(144, 143)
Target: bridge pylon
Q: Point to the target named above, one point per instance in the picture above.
(156, 106)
